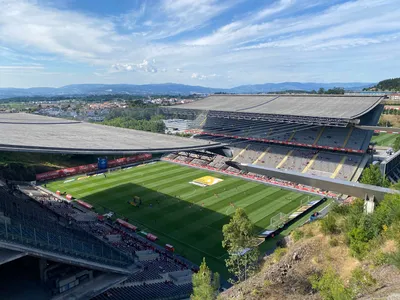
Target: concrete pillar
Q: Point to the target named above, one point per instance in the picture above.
(42, 270)
(369, 204)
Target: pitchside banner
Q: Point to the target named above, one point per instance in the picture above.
(92, 167)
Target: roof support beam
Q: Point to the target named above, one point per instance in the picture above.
(327, 184)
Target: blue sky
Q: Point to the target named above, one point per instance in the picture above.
(217, 43)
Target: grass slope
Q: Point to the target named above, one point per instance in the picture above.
(384, 139)
(172, 207)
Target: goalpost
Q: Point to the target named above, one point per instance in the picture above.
(278, 220)
(305, 201)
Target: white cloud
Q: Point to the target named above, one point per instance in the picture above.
(361, 17)
(349, 34)
(281, 41)
(131, 19)
(49, 30)
(186, 15)
(237, 29)
(202, 76)
(144, 66)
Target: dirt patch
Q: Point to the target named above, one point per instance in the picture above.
(393, 119)
(288, 277)
(390, 246)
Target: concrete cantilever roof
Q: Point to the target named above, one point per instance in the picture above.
(322, 106)
(33, 133)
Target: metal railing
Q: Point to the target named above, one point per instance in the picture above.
(46, 240)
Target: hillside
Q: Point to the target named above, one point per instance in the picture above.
(171, 89)
(330, 260)
(392, 84)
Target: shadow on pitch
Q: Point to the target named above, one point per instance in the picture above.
(172, 215)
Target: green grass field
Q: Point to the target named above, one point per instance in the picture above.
(384, 139)
(172, 207)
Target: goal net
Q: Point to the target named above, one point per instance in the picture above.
(278, 220)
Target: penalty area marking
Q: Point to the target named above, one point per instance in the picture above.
(234, 208)
(180, 242)
(189, 194)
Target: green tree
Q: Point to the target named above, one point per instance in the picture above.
(372, 175)
(328, 224)
(143, 122)
(205, 286)
(361, 229)
(392, 84)
(216, 282)
(330, 286)
(321, 91)
(335, 90)
(238, 233)
(396, 144)
(240, 242)
(360, 281)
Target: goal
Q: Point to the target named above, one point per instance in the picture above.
(278, 220)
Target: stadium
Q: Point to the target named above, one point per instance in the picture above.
(137, 227)
(316, 135)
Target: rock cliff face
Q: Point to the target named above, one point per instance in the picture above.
(286, 273)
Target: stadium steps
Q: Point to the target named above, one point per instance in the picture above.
(92, 288)
(360, 168)
(311, 162)
(261, 156)
(394, 172)
(319, 135)
(284, 159)
(391, 179)
(203, 121)
(339, 167)
(269, 132)
(200, 121)
(292, 136)
(348, 137)
(367, 140)
(241, 153)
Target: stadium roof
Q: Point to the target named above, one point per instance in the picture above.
(34, 133)
(321, 106)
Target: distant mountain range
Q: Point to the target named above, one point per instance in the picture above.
(173, 89)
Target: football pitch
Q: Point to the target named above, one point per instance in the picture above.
(186, 215)
(384, 139)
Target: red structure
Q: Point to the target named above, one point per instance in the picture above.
(92, 167)
(84, 204)
(151, 237)
(169, 247)
(126, 224)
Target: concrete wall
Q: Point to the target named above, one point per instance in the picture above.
(339, 186)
